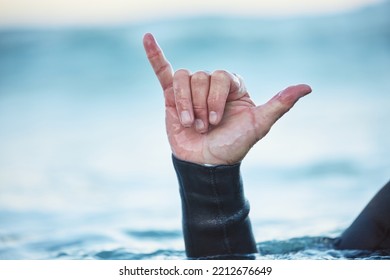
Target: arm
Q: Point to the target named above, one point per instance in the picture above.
(211, 120)
(371, 229)
(215, 211)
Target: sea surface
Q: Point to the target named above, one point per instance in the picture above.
(85, 167)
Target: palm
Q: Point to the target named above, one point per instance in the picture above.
(226, 143)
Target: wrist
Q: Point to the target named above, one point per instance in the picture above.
(204, 163)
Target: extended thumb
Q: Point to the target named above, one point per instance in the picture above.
(281, 103)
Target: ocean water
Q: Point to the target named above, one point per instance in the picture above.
(85, 168)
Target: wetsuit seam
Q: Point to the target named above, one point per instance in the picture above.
(219, 207)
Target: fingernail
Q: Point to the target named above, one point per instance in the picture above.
(199, 125)
(185, 117)
(213, 117)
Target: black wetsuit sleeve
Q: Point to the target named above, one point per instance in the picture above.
(371, 229)
(215, 212)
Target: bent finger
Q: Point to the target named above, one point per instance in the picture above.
(219, 90)
(183, 99)
(200, 84)
(237, 88)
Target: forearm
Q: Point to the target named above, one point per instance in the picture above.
(215, 211)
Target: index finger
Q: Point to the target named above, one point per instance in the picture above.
(161, 66)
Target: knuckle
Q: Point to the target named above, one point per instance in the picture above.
(220, 74)
(182, 72)
(286, 100)
(183, 103)
(199, 78)
(200, 108)
(182, 100)
(212, 102)
(200, 75)
(181, 83)
(161, 68)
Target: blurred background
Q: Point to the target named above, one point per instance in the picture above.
(85, 167)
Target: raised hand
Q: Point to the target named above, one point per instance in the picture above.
(210, 118)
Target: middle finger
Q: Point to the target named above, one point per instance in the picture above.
(200, 84)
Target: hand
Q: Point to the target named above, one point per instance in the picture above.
(210, 118)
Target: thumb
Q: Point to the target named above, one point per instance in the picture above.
(268, 113)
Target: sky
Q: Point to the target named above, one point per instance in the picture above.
(103, 12)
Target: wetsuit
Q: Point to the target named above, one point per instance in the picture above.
(216, 222)
(215, 211)
(371, 229)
